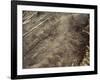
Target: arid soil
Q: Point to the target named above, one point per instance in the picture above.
(54, 39)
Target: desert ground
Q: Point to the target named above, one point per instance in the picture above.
(55, 39)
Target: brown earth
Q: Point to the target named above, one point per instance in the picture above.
(52, 39)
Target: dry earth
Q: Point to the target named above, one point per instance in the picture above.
(52, 39)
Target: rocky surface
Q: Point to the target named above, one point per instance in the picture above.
(52, 39)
